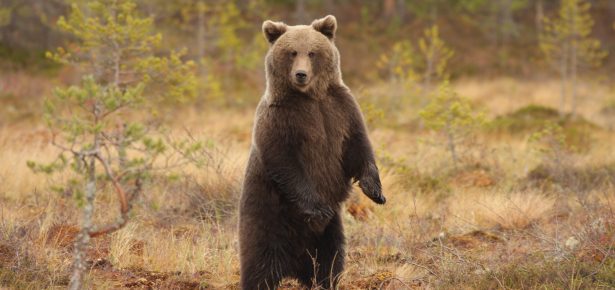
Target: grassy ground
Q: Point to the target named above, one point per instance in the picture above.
(508, 217)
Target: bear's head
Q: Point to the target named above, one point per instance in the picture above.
(302, 57)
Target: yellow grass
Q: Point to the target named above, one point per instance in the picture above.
(486, 210)
(397, 245)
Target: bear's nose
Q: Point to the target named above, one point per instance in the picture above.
(301, 75)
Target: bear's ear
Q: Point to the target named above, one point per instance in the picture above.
(273, 30)
(326, 26)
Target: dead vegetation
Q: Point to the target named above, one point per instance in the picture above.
(509, 217)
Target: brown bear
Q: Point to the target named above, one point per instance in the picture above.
(309, 144)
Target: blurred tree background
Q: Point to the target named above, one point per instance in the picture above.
(489, 38)
(488, 117)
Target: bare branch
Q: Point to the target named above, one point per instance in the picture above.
(118, 188)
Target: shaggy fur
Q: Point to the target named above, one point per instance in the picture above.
(309, 144)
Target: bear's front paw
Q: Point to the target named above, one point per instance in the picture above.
(373, 190)
(318, 218)
(370, 184)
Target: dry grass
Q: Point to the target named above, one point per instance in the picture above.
(479, 226)
(486, 210)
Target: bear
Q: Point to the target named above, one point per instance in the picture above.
(309, 145)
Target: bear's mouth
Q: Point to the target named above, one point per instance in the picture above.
(302, 85)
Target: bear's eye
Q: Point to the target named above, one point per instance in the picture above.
(293, 53)
(311, 54)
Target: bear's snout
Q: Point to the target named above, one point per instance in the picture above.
(301, 77)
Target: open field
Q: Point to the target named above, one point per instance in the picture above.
(492, 122)
(509, 217)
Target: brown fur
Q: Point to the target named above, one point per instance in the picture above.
(309, 143)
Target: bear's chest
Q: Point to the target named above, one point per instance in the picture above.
(325, 126)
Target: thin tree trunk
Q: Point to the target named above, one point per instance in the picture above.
(573, 81)
(508, 27)
(200, 36)
(429, 70)
(452, 149)
(83, 239)
(451, 144)
(540, 15)
(300, 14)
(388, 8)
(433, 13)
(574, 63)
(564, 81)
(400, 10)
(121, 148)
(329, 7)
(496, 21)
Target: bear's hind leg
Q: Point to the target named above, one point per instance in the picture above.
(262, 273)
(259, 280)
(327, 259)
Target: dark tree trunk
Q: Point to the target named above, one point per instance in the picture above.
(300, 12)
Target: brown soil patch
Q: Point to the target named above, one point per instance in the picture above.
(62, 235)
(99, 248)
(474, 178)
(7, 255)
(474, 239)
(358, 210)
(375, 281)
(136, 278)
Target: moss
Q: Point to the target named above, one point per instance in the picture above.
(535, 112)
(534, 117)
(531, 118)
(580, 179)
(33, 61)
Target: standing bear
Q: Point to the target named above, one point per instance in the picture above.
(309, 144)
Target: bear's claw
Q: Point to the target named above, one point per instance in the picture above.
(372, 188)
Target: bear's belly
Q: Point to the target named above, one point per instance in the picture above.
(322, 159)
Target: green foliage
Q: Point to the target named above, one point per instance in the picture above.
(406, 67)
(399, 63)
(5, 16)
(87, 120)
(58, 164)
(550, 140)
(118, 47)
(229, 22)
(451, 113)
(436, 55)
(31, 61)
(96, 121)
(567, 44)
(608, 108)
(399, 66)
(571, 31)
(373, 114)
(427, 8)
(532, 118)
(528, 118)
(453, 116)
